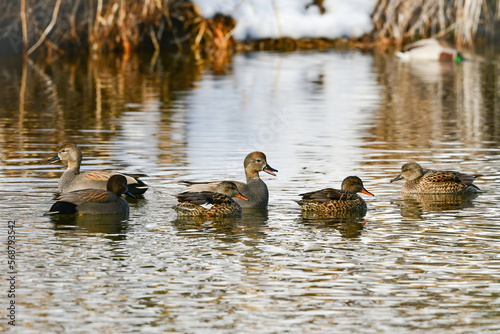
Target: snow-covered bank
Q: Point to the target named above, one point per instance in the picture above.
(259, 19)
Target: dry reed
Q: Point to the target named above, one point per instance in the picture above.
(401, 20)
(122, 26)
(111, 25)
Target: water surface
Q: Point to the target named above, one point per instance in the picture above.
(410, 265)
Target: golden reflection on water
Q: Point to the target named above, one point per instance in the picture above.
(429, 105)
(268, 266)
(415, 205)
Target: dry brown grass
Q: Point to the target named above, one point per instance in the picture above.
(124, 26)
(105, 26)
(401, 20)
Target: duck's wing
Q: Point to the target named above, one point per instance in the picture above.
(324, 195)
(468, 178)
(442, 176)
(79, 197)
(198, 198)
(207, 186)
(221, 199)
(97, 175)
(423, 43)
(134, 184)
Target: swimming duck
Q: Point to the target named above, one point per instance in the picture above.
(221, 202)
(430, 49)
(420, 181)
(71, 155)
(255, 190)
(95, 201)
(334, 200)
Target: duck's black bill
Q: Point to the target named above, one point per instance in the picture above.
(270, 170)
(399, 177)
(54, 160)
(129, 194)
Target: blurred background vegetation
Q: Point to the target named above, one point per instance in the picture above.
(123, 26)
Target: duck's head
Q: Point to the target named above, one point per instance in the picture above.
(117, 184)
(69, 154)
(229, 189)
(355, 185)
(256, 162)
(409, 171)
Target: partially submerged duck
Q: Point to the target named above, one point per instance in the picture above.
(430, 49)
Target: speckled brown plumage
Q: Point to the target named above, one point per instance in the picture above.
(334, 200)
(221, 201)
(420, 181)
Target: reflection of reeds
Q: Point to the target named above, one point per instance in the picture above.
(406, 19)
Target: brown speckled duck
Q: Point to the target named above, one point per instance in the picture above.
(72, 179)
(221, 202)
(334, 200)
(255, 190)
(95, 201)
(428, 181)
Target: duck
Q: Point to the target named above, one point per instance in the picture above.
(72, 179)
(255, 190)
(220, 202)
(95, 201)
(430, 49)
(333, 200)
(428, 181)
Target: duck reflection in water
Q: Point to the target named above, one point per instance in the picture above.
(112, 227)
(414, 206)
(252, 223)
(349, 224)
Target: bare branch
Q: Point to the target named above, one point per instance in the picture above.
(47, 30)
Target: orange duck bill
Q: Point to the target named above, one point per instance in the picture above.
(242, 197)
(364, 191)
(270, 170)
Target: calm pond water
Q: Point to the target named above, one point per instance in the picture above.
(414, 265)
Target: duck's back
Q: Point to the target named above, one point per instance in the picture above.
(91, 201)
(255, 190)
(444, 182)
(329, 200)
(191, 204)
